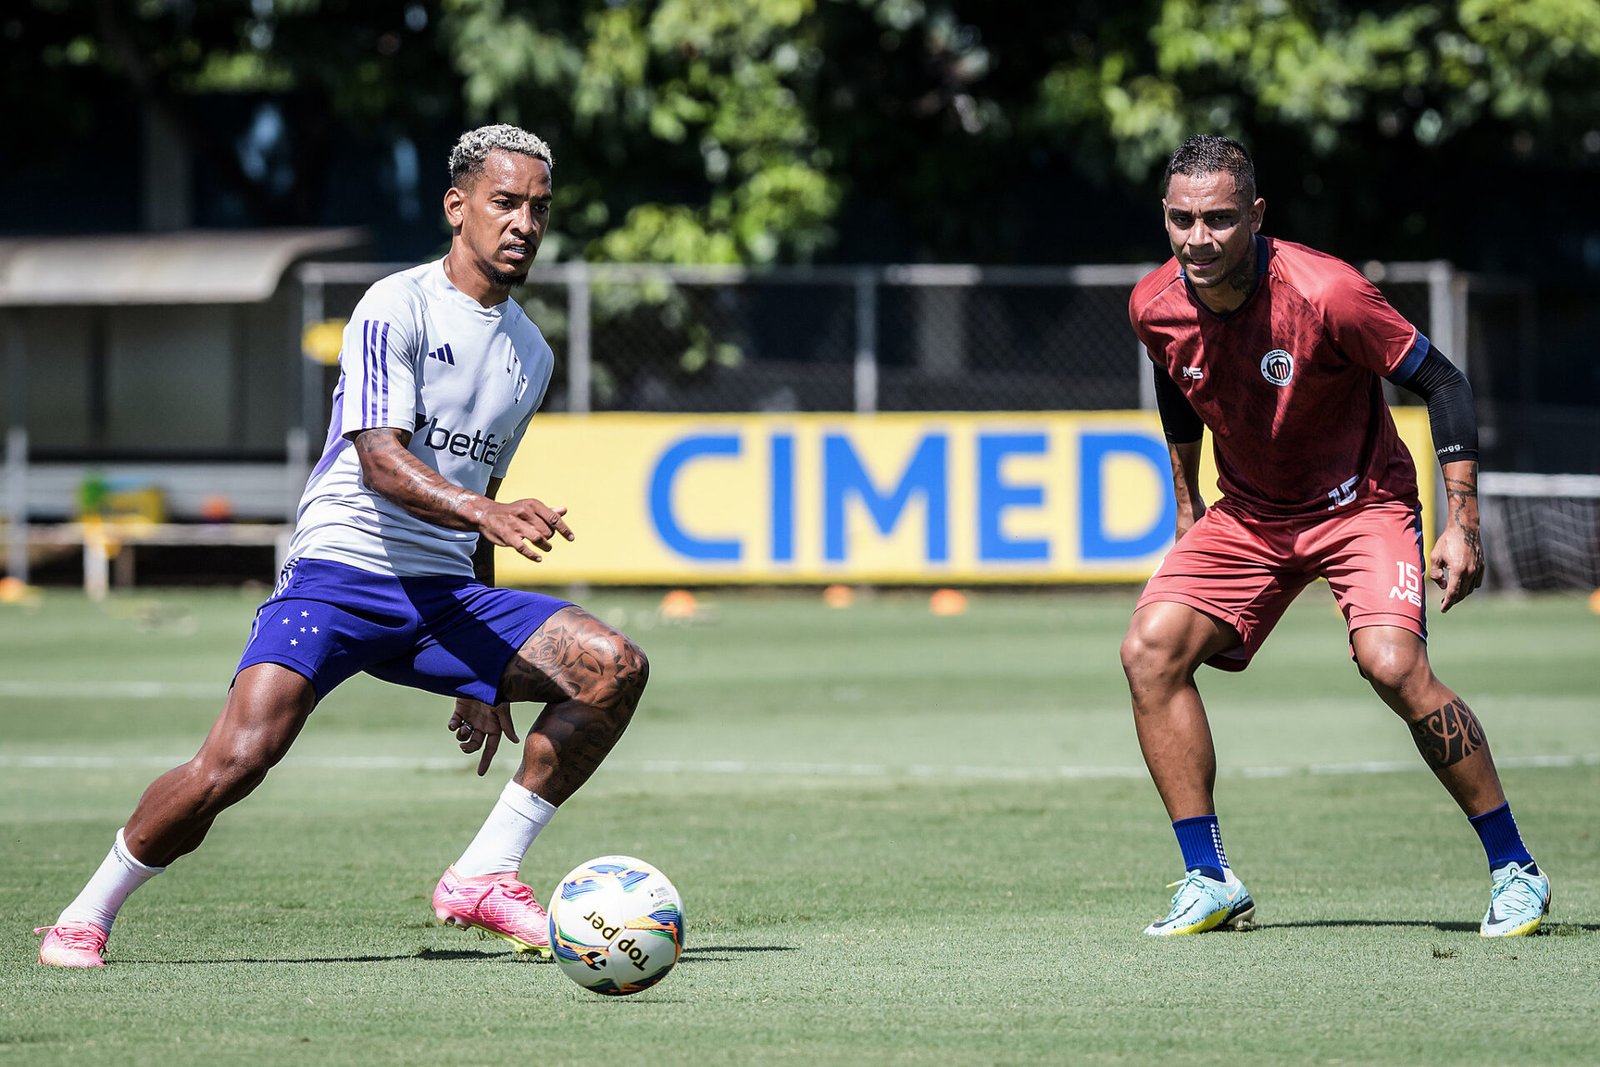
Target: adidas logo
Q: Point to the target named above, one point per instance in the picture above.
(443, 354)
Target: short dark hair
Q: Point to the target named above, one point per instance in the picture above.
(1209, 154)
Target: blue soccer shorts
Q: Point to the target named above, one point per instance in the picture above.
(443, 634)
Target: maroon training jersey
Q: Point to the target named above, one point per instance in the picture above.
(1289, 383)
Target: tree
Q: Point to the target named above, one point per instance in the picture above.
(1448, 109)
(761, 131)
(328, 68)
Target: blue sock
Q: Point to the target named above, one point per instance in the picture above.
(1201, 842)
(1501, 841)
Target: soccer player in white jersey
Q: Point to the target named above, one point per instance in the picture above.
(391, 571)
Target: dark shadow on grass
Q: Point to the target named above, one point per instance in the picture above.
(1549, 929)
(1423, 924)
(421, 954)
(705, 954)
(715, 953)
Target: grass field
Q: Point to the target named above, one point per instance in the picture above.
(900, 838)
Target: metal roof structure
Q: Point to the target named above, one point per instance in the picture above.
(187, 267)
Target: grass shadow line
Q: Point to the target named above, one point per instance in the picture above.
(1549, 929)
(420, 954)
(698, 954)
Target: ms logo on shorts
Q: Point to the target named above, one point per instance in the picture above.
(1277, 367)
(1407, 583)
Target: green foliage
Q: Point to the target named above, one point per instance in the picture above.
(766, 131)
(1332, 73)
(701, 96)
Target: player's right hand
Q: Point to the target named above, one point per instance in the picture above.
(1456, 565)
(526, 525)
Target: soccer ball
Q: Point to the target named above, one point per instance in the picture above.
(616, 925)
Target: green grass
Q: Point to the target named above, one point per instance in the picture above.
(899, 838)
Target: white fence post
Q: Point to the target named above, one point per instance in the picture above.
(17, 503)
(866, 371)
(1446, 327)
(580, 366)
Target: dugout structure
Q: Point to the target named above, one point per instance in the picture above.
(151, 378)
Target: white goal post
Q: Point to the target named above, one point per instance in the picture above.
(1540, 531)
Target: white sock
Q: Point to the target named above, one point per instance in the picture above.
(507, 833)
(119, 875)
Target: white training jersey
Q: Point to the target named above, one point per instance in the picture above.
(463, 379)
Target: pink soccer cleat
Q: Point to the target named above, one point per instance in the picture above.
(73, 944)
(494, 903)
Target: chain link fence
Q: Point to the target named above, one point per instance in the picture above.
(923, 338)
(896, 338)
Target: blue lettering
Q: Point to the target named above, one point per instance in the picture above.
(782, 498)
(996, 496)
(662, 514)
(1093, 451)
(844, 476)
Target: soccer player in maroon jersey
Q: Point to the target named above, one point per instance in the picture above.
(1281, 351)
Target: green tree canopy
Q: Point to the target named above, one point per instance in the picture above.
(759, 131)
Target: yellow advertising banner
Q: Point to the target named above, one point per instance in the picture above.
(923, 498)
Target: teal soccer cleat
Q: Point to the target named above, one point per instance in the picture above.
(1517, 903)
(1203, 903)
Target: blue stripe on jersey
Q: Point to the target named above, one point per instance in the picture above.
(1408, 366)
(375, 387)
(383, 370)
(368, 329)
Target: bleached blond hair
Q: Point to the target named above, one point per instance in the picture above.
(474, 146)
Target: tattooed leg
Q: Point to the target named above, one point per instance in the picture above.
(1447, 733)
(590, 678)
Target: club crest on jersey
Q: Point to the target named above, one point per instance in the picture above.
(1277, 367)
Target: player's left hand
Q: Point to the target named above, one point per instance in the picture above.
(1456, 565)
(479, 725)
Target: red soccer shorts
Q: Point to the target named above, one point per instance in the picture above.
(1245, 570)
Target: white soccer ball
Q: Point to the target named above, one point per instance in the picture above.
(616, 925)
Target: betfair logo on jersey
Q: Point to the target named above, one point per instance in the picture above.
(443, 439)
(1277, 367)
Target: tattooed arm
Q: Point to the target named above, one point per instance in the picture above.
(1184, 430)
(1457, 562)
(389, 469)
(1185, 484)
